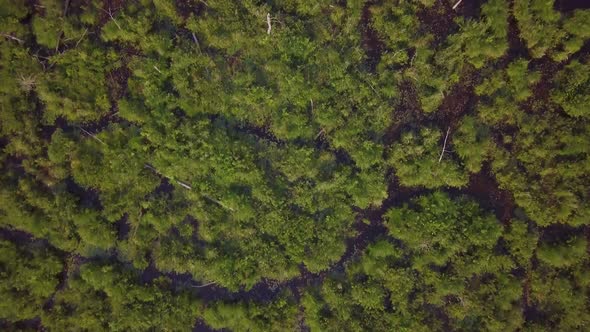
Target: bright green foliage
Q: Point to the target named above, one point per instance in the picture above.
(16, 118)
(449, 270)
(565, 254)
(433, 69)
(11, 12)
(107, 298)
(410, 54)
(503, 91)
(116, 169)
(343, 306)
(437, 228)
(28, 278)
(416, 161)
(521, 242)
(57, 23)
(48, 27)
(280, 315)
(397, 25)
(473, 143)
(560, 285)
(545, 169)
(572, 89)
(133, 25)
(63, 92)
(456, 236)
(547, 31)
(55, 215)
(250, 145)
(480, 41)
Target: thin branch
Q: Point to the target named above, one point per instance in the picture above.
(444, 145)
(205, 285)
(146, 165)
(218, 203)
(138, 222)
(66, 7)
(91, 135)
(457, 4)
(12, 37)
(58, 40)
(319, 134)
(269, 25)
(184, 185)
(196, 41)
(311, 101)
(79, 40)
(158, 70)
(112, 18)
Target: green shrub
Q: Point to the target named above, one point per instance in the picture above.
(563, 254)
(547, 31)
(29, 276)
(416, 161)
(572, 89)
(502, 92)
(64, 95)
(279, 315)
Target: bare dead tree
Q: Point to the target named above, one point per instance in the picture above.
(457, 4)
(320, 134)
(12, 37)
(268, 23)
(92, 135)
(205, 285)
(83, 35)
(444, 145)
(110, 13)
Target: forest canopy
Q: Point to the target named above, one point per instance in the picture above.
(295, 165)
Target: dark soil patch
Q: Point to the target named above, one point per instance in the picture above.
(460, 100)
(398, 194)
(88, 198)
(187, 7)
(369, 227)
(164, 188)
(469, 8)
(407, 114)
(200, 326)
(16, 236)
(540, 101)
(559, 233)
(570, 5)
(150, 273)
(123, 227)
(72, 264)
(516, 46)
(75, 7)
(262, 133)
(534, 314)
(370, 40)
(23, 325)
(109, 6)
(485, 189)
(438, 20)
(117, 83)
(45, 132)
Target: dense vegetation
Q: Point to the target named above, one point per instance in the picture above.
(295, 164)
